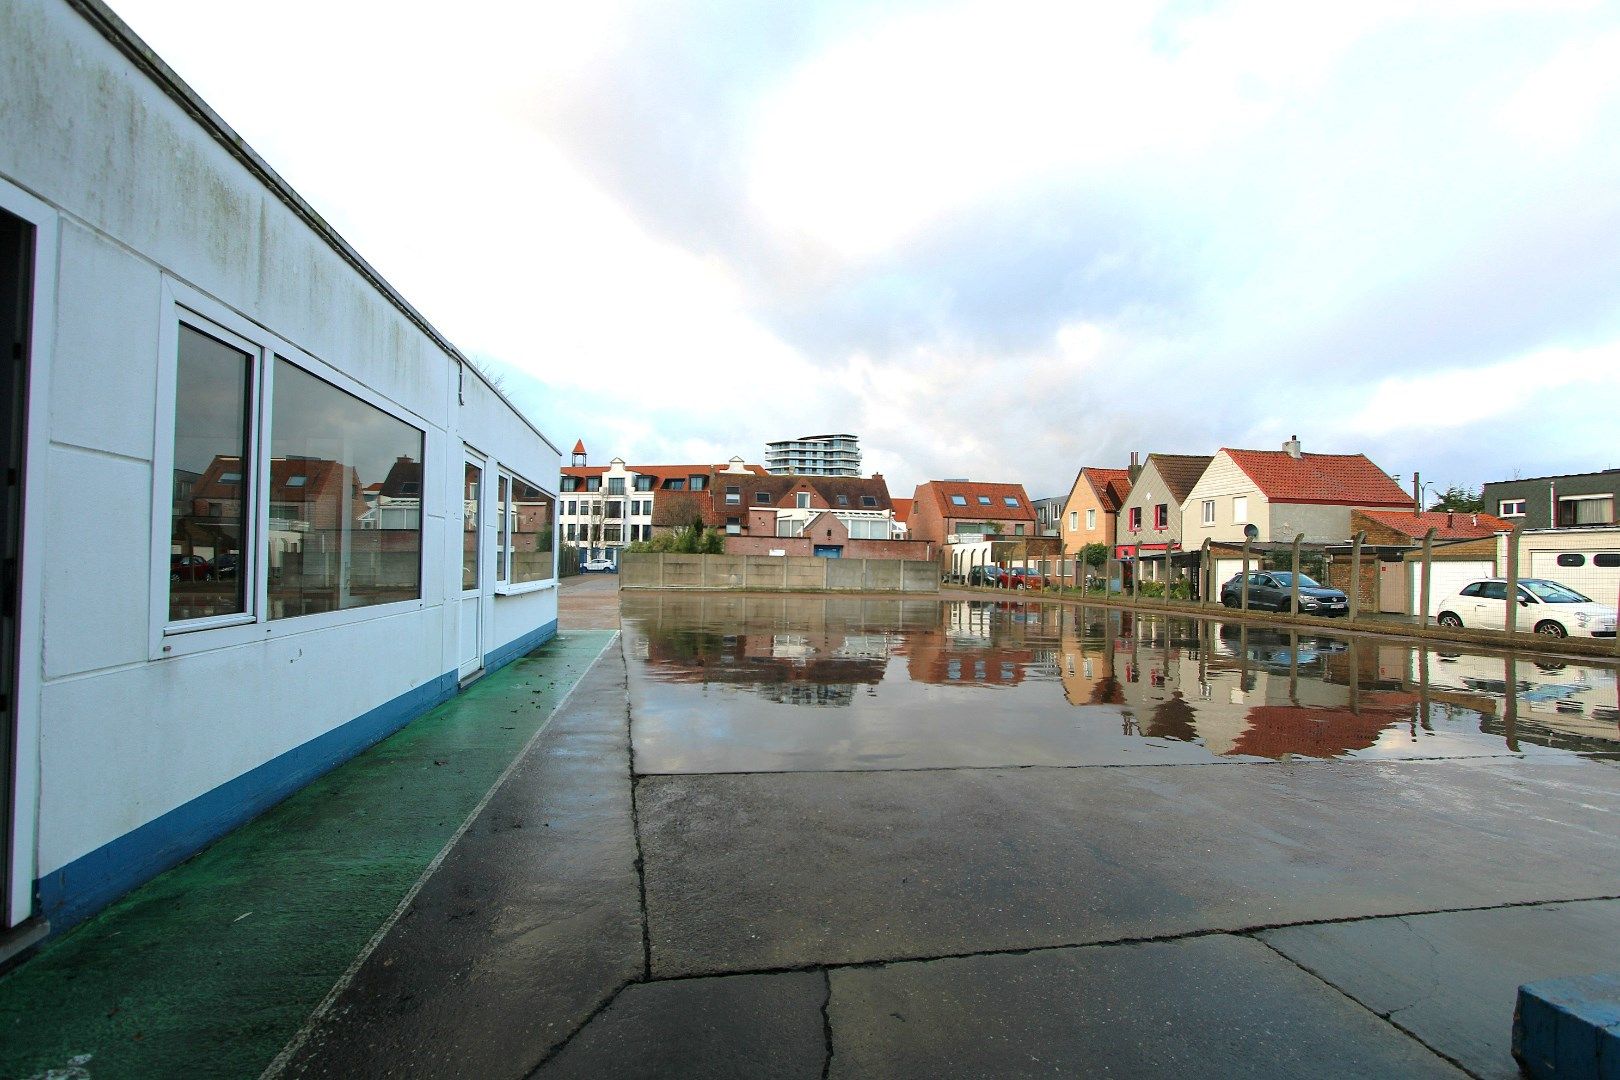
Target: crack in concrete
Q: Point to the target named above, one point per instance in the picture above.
(635, 823)
(1386, 1017)
(602, 1007)
(826, 1023)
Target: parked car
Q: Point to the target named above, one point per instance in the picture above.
(1025, 578)
(1273, 589)
(604, 566)
(1545, 607)
(225, 566)
(985, 575)
(190, 568)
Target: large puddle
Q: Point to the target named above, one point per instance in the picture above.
(749, 683)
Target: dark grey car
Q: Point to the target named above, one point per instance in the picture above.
(1270, 589)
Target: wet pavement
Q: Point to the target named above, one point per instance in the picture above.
(793, 835)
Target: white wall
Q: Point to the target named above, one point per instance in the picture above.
(1223, 481)
(147, 201)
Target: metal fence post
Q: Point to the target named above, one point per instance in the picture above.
(1243, 589)
(1293, 582)
(1512, 582)
(1428, 556)
(1355, 574)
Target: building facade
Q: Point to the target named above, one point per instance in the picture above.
(605, 507)
(815, 455)
(1150, 519)
(326, 520)
(833, 517)
(1571, 501)
(1091, 512)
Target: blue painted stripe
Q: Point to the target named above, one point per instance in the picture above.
(522, 646)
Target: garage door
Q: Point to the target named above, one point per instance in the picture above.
(1593, 573)
(1446, 578)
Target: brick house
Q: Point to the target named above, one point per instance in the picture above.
(945, 508)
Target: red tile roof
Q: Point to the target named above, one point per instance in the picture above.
(942, 490)
(579, 446)
(1113, 486)
(902, 510)
(1327, 479)
(1447, 526)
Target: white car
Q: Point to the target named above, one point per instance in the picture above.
(1544, 606)
(604, 565)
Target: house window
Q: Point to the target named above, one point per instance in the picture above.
(802, 500)
(1161, 516)
(733, 495)
(1240, 509)
(570, 483)
(593, 483)
(1209, 511)
(733, 526)
(615, 485)
(1586, 510)
(763, 498)
(1571, 559)
(868, 500)
(572, 531)
(1018, 530)
(698, 483)
(612, 534)
(675, 485)
(958, 500)
(1091, 520)
(1135, 519)
(1510, 508)
(502, 498)
(1009, 500)
(644, 483)
(527, 526)
(615, 508)
(984, 500)
(843, 500)
(573, 508)
(1074, 520)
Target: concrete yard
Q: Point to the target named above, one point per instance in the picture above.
(835, 836)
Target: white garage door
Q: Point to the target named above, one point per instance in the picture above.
(1580, 570)
(1446, 578)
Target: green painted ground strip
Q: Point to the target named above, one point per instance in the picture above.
(210, 968)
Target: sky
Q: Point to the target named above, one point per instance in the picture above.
(997, 240)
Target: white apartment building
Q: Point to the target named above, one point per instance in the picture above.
(815, 455)
(602, 508)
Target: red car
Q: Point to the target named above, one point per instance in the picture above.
(190, 568)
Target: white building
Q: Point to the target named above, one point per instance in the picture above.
(266, 513)
(815, 455)
(602, 508)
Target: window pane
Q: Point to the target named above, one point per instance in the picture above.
(345, 500)
(533, 523)
(211, 494)
(504, 509)
(472, 489)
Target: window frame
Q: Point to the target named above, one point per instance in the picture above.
(184, 304)
(1503, 504)
(509, 478)
(1207, 510)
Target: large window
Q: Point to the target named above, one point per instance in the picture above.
(1586, 510)
(530, 524)
(318, 511)
(615, 485)
(1240, 509)
(326, 449)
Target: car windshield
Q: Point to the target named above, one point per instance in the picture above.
(1285, 579)
(1550, 592)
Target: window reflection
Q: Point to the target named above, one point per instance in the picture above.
(210, 499)
(472, 485)
(345, 500)
(531, 525)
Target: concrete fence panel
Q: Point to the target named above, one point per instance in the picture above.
(768, 573)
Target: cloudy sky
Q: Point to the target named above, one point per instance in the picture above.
(995, 239)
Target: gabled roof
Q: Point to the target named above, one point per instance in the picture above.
(579, 446)
(997, 509)
(1112, 486)
(1328, 479)
(1446, 526)
(1179, 471)
(902, 510)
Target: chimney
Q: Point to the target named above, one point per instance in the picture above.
(1136, 466)
(1474, 519)
(1291, 447)
(1451, 518)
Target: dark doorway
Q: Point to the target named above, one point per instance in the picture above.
(16, 292)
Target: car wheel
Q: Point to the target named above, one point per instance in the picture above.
(1229, 602)
(1449, 620)
(1548, 628)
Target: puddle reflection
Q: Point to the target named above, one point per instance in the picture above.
(929, 683)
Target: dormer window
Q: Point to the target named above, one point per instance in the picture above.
(868, 500)
(410, 487)
(843, 500)
(958, 500)
(984, 500)
(697, 483)
(1010, 500)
